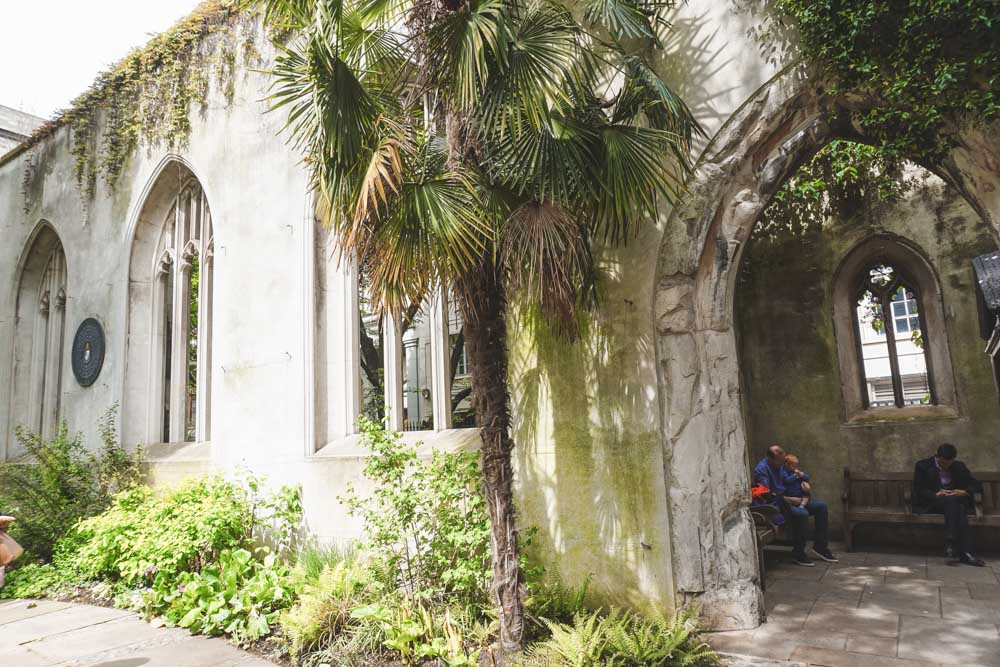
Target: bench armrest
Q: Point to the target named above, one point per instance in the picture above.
(978, 501)
(762, 514)
(908, 499)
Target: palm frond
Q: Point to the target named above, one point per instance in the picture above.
(645, 94)
(465, 45)
(624, 19)
(635, 170)
(542, 56)
(547, 254)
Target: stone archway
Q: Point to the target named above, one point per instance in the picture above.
(704, 436)
(714, 558)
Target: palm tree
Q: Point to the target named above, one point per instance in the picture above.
(485, 145)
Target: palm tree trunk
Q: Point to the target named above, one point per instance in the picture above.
(484, 306)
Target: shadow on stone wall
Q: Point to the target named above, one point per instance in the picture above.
(589, 467)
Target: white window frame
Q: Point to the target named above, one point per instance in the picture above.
(393, 360)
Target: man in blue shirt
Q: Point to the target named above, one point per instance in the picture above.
(771, 473)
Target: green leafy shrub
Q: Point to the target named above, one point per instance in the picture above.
(623, 639)
(186, 553)
(59, 482)
(426, 521)
(551, 599)
(147, 535)
(239, 596)
(34, 580)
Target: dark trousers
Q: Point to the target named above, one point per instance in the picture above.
(956, 521)
(798, 519)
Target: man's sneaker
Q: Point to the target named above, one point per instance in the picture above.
(803, 560)
(825, 554)
(970, 559)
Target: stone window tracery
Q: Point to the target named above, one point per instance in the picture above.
(47, 349)
(182, 311)
(39, 341)
(891, 339)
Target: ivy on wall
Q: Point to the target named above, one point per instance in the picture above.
(925, 65)
(149, 94)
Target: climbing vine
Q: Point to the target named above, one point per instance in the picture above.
(927, 66)
(149, 94)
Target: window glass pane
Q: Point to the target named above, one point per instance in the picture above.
(371, 340)
(898, 308)
(875, 351)
(462, 413)
(418, 386)
(910, 350)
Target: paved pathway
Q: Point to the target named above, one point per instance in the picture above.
(875, 610)
(45, 633)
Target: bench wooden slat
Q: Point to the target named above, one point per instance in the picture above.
(883, 497)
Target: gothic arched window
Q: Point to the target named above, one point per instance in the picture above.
(891, 339)
(182, 318)
(170, 314)
(39, 336)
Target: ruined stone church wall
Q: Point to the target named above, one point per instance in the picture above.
(630, 458)
(792, 383)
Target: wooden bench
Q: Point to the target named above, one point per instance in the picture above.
(884, 497)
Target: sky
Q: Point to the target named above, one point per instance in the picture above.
(52, 50)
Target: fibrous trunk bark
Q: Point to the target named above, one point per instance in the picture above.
(483, 302)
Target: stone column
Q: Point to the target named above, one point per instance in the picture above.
(53, 364)
(204, 398)
(440, 354)
(178, 351)
(39, 348)
(393, 363)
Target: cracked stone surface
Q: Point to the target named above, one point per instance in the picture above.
(46, 633)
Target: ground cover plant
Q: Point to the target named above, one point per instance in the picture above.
(416, 589)
(193, 554)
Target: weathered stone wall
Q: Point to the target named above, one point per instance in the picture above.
(788, 350)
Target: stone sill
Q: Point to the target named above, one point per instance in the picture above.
(452, 440)
(177, 452)
(916, 414)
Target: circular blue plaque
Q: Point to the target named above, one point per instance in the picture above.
(88, 352)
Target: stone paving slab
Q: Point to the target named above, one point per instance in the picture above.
(50, 634)
(969, 643)
(17, 610)
(875, 610)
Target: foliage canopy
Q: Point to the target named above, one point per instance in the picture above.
(926, 65)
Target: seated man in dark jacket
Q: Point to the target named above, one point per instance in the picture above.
(942, 485)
